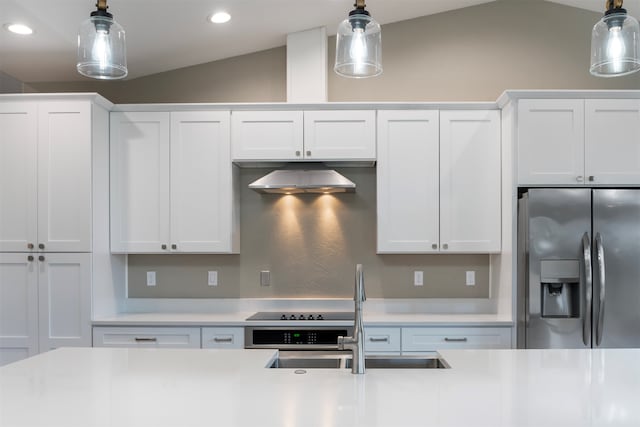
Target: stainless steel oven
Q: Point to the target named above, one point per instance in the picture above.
(284, 331)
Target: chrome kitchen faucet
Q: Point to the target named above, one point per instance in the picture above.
(356, 342)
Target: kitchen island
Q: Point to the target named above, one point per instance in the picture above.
(186, 387)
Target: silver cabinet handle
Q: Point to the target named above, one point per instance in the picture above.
(141, 339)
(228, 339)
(588, 280)
(41, 245)
(445, 246)
(379, 339)
(601, 276)
(297, 153)
(163, 246)
(308, 152)
(592, 178)
(447, 339)
(434, 246)
(41, 258)
(29, 245)
(174, 246)
(579, 178)
(30, 258)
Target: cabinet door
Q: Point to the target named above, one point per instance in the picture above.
(145, 336)
(550, 141)
(266, 135)
(140, 182)
(418, 339)
(225, 337)
(470, 181)
(333, 135)
(18, 176)
(64, 176)
(612, 141)
(407, 181)
(64, 299)
(201, 183)
(18, 307)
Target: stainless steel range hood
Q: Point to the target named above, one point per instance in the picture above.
(294, 181)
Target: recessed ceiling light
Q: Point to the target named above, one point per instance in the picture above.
(219, 17)
(19, 29)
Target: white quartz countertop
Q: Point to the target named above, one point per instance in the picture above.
(163, 387)
(239, 319)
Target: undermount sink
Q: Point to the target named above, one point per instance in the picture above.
(342, 360)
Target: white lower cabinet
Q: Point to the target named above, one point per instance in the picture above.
(381, 340)
(223, 337)
(146, 336)
(45, 303)
(422, 339)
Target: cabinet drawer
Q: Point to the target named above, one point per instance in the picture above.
(146, 337)
(222, 337)
(377, 340)
(432, 339)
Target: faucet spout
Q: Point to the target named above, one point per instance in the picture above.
(356, 342)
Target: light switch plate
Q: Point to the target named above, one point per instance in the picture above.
(212, 278)
(265, 278)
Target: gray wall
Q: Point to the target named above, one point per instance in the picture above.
(471, 54)
(310, 244)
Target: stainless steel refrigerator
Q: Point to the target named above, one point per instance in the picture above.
(579, 268)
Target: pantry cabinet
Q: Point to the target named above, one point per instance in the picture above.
(172, 183)
(303, 135)
(578, 141)
(438, 181)
(45, 176)
(45, 303)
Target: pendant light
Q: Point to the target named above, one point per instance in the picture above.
(358, 45)
(101, 47)
(615, 43)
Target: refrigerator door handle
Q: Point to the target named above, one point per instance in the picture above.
(588, 281)
(601, 278)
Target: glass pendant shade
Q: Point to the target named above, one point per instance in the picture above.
(101, 49)
(615, 45)
(358, 47)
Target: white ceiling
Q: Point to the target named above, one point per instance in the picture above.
(164, 35)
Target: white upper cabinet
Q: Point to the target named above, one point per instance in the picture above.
(201, 183)
(612, 141)
(550, 141)
(298, 135)
(578, 142)
(408, 181)
(139, 182)
(45, 176)
(18, 176)
(172, 183)
(266, 135)
(335, 135)
(438, 181)
(470, 181)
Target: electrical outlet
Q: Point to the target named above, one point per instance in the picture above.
(212, 278)
(418, 278)
(151, 278)
(471, 278)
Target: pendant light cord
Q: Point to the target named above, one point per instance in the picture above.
(102, 5)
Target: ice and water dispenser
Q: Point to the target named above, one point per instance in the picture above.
(560, 288)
